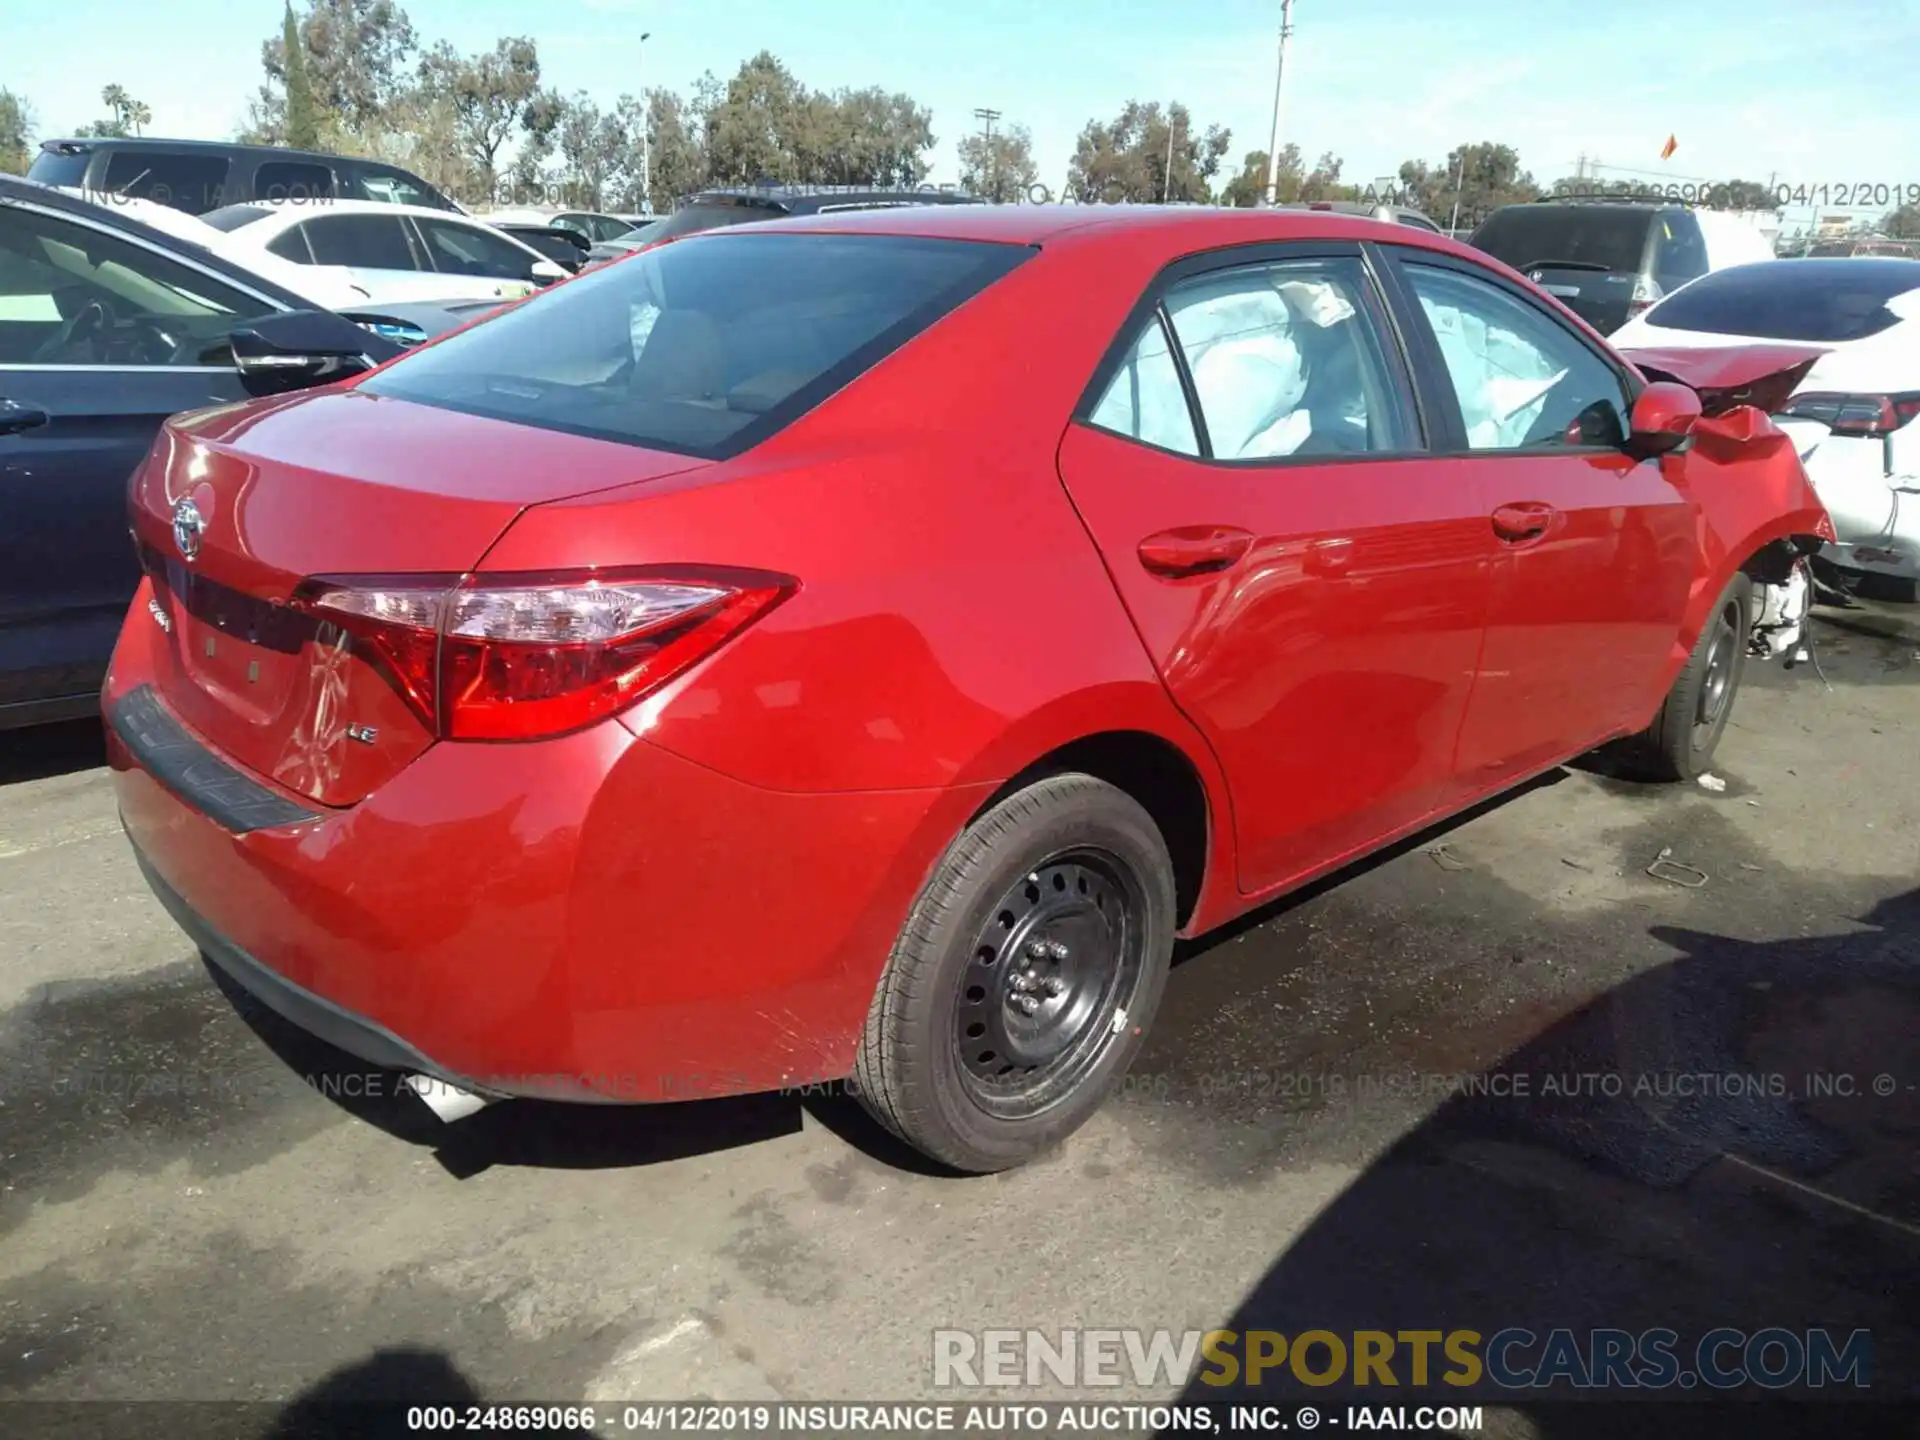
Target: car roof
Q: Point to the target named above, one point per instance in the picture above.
(808, 199)
(1178, 229)
(155, 142)
(299, 209)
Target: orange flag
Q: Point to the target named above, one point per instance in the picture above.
(1666, 150)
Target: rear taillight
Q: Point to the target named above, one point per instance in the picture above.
(522, 657)
(1855, 414)
(1646, 294)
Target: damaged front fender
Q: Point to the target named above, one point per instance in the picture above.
(1754, 508)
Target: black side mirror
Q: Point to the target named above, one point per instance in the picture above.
(302, 348)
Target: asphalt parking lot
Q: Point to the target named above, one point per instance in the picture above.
(198, 1205)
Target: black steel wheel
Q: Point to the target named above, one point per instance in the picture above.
(1063, 949)
(1680, 743)
(1025, 978)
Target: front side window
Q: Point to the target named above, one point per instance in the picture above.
(1522, 380)
(701, 348)
(392, 187)
(292, 180)
(1285, 361)
(368, 242)
(73, 295)
(466, 250)
(1144, 400)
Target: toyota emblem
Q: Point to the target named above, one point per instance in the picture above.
(188, 526)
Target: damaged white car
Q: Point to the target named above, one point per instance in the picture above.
(1851, 406)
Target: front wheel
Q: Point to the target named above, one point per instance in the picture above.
(1024, 981)
(1679, 745)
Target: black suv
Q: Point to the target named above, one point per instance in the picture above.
(1606, 260)
(712, 209)
(201, 175)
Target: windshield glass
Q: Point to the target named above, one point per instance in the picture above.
(1524, 236)
(1830, 301)
(702, 348)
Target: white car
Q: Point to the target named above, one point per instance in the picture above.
(1851, 416)
(395, 252)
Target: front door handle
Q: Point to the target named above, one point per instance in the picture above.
(16, 416)
(1194, 550)
(1522, 521)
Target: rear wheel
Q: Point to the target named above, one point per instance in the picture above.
(1679, 745)
(1023, 983)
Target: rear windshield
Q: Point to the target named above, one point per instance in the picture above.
(706, 347)
(232, 217)
(52, 168)
(1829, 301)
(1524, 236)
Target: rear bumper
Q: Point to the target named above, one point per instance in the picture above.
(587, 918)
(1876, 519)
(315, 1014)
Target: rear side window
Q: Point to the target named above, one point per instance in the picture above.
(372, 242)
(1818, 301)
(192, 182)
(1145, 399)
(292, 180)
(292, 245)
(1285, 362)
(1679, 250)
(705, 348)
(1526, 236)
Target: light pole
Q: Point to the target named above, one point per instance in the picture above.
(646, 125)
(1279, 73)
(1166, 183)
(986, 118)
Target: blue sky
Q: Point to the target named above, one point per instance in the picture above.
(1807, 92)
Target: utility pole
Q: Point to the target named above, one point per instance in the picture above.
(1279, 74)
(1166, 183)
(646, 126)
(986, 118)
(1459, 178)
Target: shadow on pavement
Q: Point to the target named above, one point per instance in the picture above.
(517, 1132)
(40, 752)
(1726, 1141)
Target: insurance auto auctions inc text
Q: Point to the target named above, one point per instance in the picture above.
(1774, 1358)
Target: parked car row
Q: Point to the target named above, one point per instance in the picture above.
(109, 324)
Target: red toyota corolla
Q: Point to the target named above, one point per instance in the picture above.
(860, 645)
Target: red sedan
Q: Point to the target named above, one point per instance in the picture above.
(860, 645)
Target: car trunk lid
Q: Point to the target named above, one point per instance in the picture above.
(237, 507)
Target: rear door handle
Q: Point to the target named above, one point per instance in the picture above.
(1521, 521)
(16, 416)
(1194, 550)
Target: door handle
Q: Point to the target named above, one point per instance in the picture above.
(1521, 521)
(1194, 550)
(16, 416)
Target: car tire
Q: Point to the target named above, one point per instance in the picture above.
(1679, 745)
(1024, 981)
